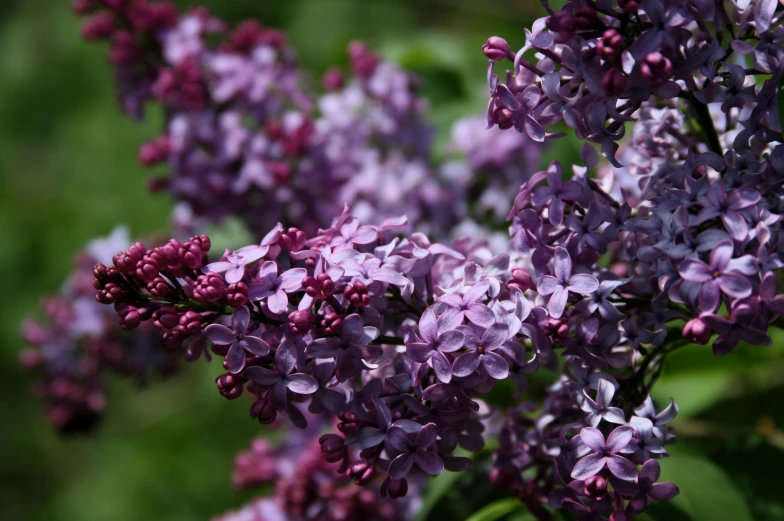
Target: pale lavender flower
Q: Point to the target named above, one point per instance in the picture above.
(438, 336)
(239, 338)
(600, 409)
(275, 288)
(564, 282)
(483, 352)
(605, 453)
(283, 380)
(716, 278)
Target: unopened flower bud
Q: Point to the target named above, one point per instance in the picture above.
(697, 331)
(496, 48)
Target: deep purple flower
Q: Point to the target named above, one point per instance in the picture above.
(564, 282)
(414, 452)
(276, 288)
(483, 351)
(648, 488)
(715, 278)
(718, 204)
(438, 336)
(283, 380)
(352, 344)
(556, 194)
(239, 338)
(605, 453)
(731, 331)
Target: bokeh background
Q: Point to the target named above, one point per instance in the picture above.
(68, 173)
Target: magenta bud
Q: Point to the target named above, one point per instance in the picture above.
(394, 488)
(166, 317)
(230, 386)
(362, 472)
(697, 331)
(496, 48)
(596, 487)
(209, 287)
(656, 68)
(99, 26)
(155, 151)
(610, 44)
(293, 240)
(332, 79)
(357, 294)
(237, 294)
(301, 321)
(614, 82)
(130, 317)
(521, 278)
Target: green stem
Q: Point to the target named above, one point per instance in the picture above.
(706, 122)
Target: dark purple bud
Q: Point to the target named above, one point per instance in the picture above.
(110, 294)
(155, 151)
(159, 288)
(697, 331)
(349, 423)
(123, 49)
(230, 386)
(166, 317)
(587, 18)
(332, 443)
(596, 487)
(148, 268)
(190, 321)
(301, 321)
(319, 287)
(332, 79)
(656, 68)
(503, 118)
(191, 255)
(331, 322)
(83, 6)
(293, 240)
(610, 44)
(99, 26)
(363, 60)
(126, 261)
(209, 287)
(362, 472)
(237, 294)
(357, 294)
(171, 252)
(130, 317)
(394, 488)
(496, 48)
(172, 340)
(614, 82)
(264, 410)
(100, 276)
(562, 25)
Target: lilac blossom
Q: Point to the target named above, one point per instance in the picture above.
(439, 337)
(564, 282)
(239, 338)
(716, 278)
(605, 453)
(274, 287)
(414, 452)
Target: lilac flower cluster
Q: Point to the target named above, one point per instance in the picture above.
(306, 487)
(71, 352)
(398, 338)
(247, 134)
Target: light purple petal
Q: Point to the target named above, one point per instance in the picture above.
(465, 364)
(720, 256)
(217, 267)
(495, 366)
(663, 491)
(571, 189)
(734, 285)
(428, 326)
(694, 270)
(556, 211)
(614, 415)
(302, 384)
(290, 280)
(262, 376)
(735, 225)
(235, 359)
(325, 348)
(557, 302)
(240, 319)
(476, 292)
(352, 329)
(605, 392)
(399, 439)
(588, 466)
(619, 439)
(622, 468)
(420, 352)
(451, 341)
(219, 334)
(286, 357)
(547, 285)
(441, 367)
(592, 438)
(709, 296)
(255, 345)
(480, 314)
(650, 471)
(235, 275)
(278, 301)
(364, 235)
(583, 284)
(495, 335)
(562, 264)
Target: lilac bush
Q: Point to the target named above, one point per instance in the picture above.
(384, 335)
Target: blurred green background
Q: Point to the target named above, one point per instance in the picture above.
(68, 173)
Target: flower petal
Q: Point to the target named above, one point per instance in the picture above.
(622, 468)
(302, 383)
(583, 284)
(429, 463)
(588, 466)
(592, 438)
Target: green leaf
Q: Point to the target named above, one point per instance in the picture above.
(706, 491)
(436, 490)
(496, 510)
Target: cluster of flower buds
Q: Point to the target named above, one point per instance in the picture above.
(245, 137)
(80, 342)
(306, 487)
(398, 339)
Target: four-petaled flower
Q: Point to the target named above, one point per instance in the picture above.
(414, 452)
(283, 380)
(719, 204)
(716, 278)
(556, 193)
(605, 453)
(238, 338)
(564, 282)
(352, 344)
(438, 337)
(600, 409)
(276, 288)
(483, 351)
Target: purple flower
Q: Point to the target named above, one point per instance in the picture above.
(468, 305)
(605, 453)
(557, 193)
(276, 288)
(600, 300)
(234, 264)
(238, 338)
(600, 408)
(519, 111)
(715, 278)
(325, 397)
(648, 489)
(731, 331)
(718, 204)
(352, 233)
(352, 344)
(483, 351)
(564, 282)
(283, 380)
(644, 442)
(414, 452)
(438, 337)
